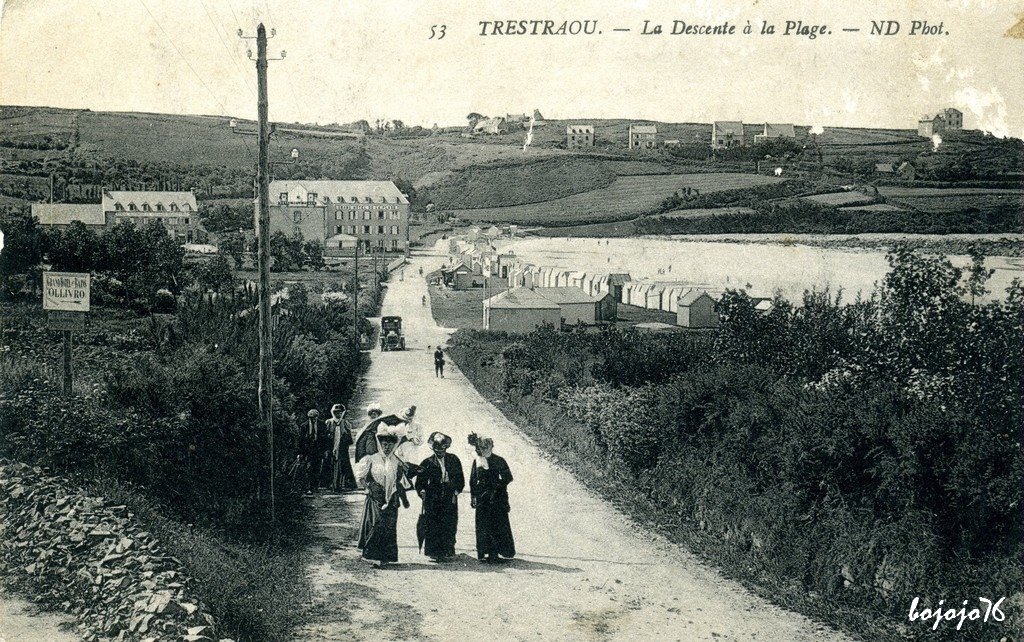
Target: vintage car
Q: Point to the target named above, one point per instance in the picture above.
(391, 337)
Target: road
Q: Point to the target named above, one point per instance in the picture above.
(21, 622)
(584, 571)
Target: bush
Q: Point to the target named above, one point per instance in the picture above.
(869, 453)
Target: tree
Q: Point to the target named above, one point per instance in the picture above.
(312, 255)
(287, 253)
(474, 118)
(216, 274)
(228, 218)
(23, 242)
(233, 244)
(74, 249)
(977, 275)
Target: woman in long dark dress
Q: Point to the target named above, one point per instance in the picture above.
(439, 481)
(384, 475)
(488, 486)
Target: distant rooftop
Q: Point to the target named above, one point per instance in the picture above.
(182, 201)
(339, 191)
(734, 127)
(565, 295)
(521, 298)
(66, 213)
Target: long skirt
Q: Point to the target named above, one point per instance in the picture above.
(493, 532)
(440, 521)
(378, 532)
(343, 478)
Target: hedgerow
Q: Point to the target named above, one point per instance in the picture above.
(850, 455)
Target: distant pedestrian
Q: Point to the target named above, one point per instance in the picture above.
(312, 450)
(342, 476)
(438, 363)
(488, 485)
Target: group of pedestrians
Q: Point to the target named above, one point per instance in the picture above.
(438, 481)
(323, 453)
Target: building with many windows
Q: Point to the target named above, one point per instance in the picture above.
(643, 136)
(178, 212)
(577, 136)
(949, 119)
(376, 213)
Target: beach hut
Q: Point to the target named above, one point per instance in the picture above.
(653, 299)
(542, 275)
(577, 308)
(670, 298)
(697, 310)
(617, 284)
(639, 294)
(520, 310)
(636, 293)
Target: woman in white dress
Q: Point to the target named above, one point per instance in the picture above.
(384, 476)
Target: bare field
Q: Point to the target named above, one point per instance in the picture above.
(840, 198)
(198, 140)
(627, 197)
(874, 207)
(944, 192)
(956, 203)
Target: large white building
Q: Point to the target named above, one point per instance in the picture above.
(376, 213)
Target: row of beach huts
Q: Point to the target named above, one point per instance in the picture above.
(528, 295)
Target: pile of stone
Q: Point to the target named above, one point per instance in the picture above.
(92, 559)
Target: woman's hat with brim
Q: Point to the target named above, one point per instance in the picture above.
(313, 413)
(480, 442)
(338, 407)
(439, 439)
(387, 433)
(408, 413)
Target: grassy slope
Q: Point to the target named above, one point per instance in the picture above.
(627, 197)
(520, 183)
(433, 160)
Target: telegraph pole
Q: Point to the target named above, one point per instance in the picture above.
(263, 255)
(355, 299)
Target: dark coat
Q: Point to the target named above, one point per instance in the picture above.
(489, 489)
(439, 522)
(428, 480)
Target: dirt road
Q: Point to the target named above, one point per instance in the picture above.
(21, 622)
(584, 571)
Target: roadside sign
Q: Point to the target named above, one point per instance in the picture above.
(66, 291)
(63, 320)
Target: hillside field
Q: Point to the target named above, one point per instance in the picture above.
(626, 198)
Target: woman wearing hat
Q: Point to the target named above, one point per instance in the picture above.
(384, 477)
(488, 486)
(438, 483)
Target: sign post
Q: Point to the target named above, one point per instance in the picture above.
(66, 299)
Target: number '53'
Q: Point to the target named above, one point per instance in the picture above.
(437, 31)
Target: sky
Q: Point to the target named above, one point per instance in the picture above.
(360, 59)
